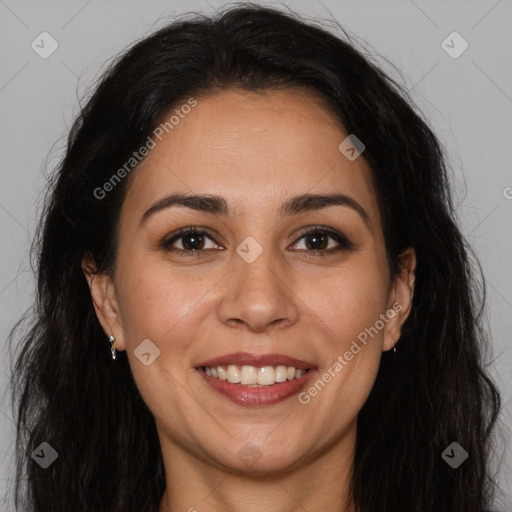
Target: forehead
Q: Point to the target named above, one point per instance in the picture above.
(252, 148)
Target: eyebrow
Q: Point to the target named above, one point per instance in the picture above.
(217, 205)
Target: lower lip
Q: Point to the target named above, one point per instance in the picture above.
(268, 395)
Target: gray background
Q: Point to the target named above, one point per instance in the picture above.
(468, 101)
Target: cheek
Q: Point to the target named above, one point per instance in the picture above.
(350, 298)
(158, 306)
(346, 306)
(154, 302)
(359, 298)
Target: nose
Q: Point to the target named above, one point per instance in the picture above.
(259, 296)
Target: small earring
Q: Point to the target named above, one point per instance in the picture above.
(394, 348)
(113, 349)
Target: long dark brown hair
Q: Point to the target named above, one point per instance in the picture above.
(67, 391)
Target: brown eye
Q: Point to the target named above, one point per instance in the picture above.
(193, 241)
(317, 241)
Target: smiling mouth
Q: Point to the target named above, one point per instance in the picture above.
(253, 376)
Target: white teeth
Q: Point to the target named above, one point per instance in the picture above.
(266, 376)
(249, 375)
(281, 373)
(253, 376)
(233, 374)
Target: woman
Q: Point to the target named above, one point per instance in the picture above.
(252, 293)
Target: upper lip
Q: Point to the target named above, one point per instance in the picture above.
(245, 358)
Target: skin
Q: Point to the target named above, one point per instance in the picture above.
(255, 150)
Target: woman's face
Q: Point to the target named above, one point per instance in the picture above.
(254, 283)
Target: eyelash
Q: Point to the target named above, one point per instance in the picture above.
(343, 241)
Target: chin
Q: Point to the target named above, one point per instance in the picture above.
(252, 460)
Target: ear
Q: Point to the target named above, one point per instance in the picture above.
(400, 298)
(104, 300)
